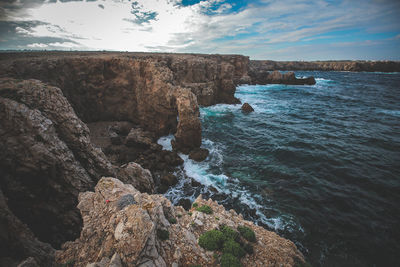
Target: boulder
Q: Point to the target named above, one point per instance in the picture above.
(169, 179)
(246, 108)
(199, 154)
(139, 138)
(132, 173)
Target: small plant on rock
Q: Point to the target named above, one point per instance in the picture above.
(247, 233)
(172, 220)
(211, 240)
(248, 248)
(229, 233)
(162, 234)
(228, 260)
(195, 205)
(233, 248)
(205, 208)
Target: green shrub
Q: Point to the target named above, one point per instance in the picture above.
(216, 218)
(228, 260)
(162, 234)
(232, 247)
(179, 215)
(211, 240)
(299, 263)
(195, 205)
(229, 233)
(248, 248)
(190, 214)
(172, 220)
(247, 233)
(205, 208)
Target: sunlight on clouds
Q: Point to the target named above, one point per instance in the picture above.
(255, 28)
(111, 27)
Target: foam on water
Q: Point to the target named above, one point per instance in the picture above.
(165, 142)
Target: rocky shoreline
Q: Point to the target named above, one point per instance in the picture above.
(69, 119)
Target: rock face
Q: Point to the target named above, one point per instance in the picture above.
(144, 89)
(246, 108)
(269, 65)
(46, 158)
(142, 232)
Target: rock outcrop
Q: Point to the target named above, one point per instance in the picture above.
(246, 108)
(345, 65)
(144, 89)
(146, 230)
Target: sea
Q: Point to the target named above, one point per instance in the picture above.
(319, 165)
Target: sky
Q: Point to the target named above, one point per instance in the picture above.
(261, 29)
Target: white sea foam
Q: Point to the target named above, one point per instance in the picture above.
(165, 142)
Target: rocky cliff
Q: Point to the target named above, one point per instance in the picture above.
(48, 155)
(146, 89)
(370, 66)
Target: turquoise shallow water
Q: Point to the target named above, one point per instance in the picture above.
(317, 164)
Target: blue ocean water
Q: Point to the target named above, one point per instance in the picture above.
(319, 165)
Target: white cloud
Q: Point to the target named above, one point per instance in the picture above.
(37, 45)
(177, 28)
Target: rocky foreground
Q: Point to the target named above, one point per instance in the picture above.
(68, 119)
(124, 227)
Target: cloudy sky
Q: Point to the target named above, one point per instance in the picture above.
(261, 29)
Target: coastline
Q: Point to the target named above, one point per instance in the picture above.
(77, 90)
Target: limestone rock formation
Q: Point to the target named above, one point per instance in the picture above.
(246, 108)
(188, 134)
(137, 87)
(149, 231)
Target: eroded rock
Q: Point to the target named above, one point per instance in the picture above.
(131, 232)
(132, 173)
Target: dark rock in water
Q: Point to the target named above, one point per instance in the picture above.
(247, 108)
(126, 200)
(199, 154)
(169, 179)
(133, 173)
(195, 183)
(185, 203)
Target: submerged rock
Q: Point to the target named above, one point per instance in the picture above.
(131, 232)
(246, 108)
